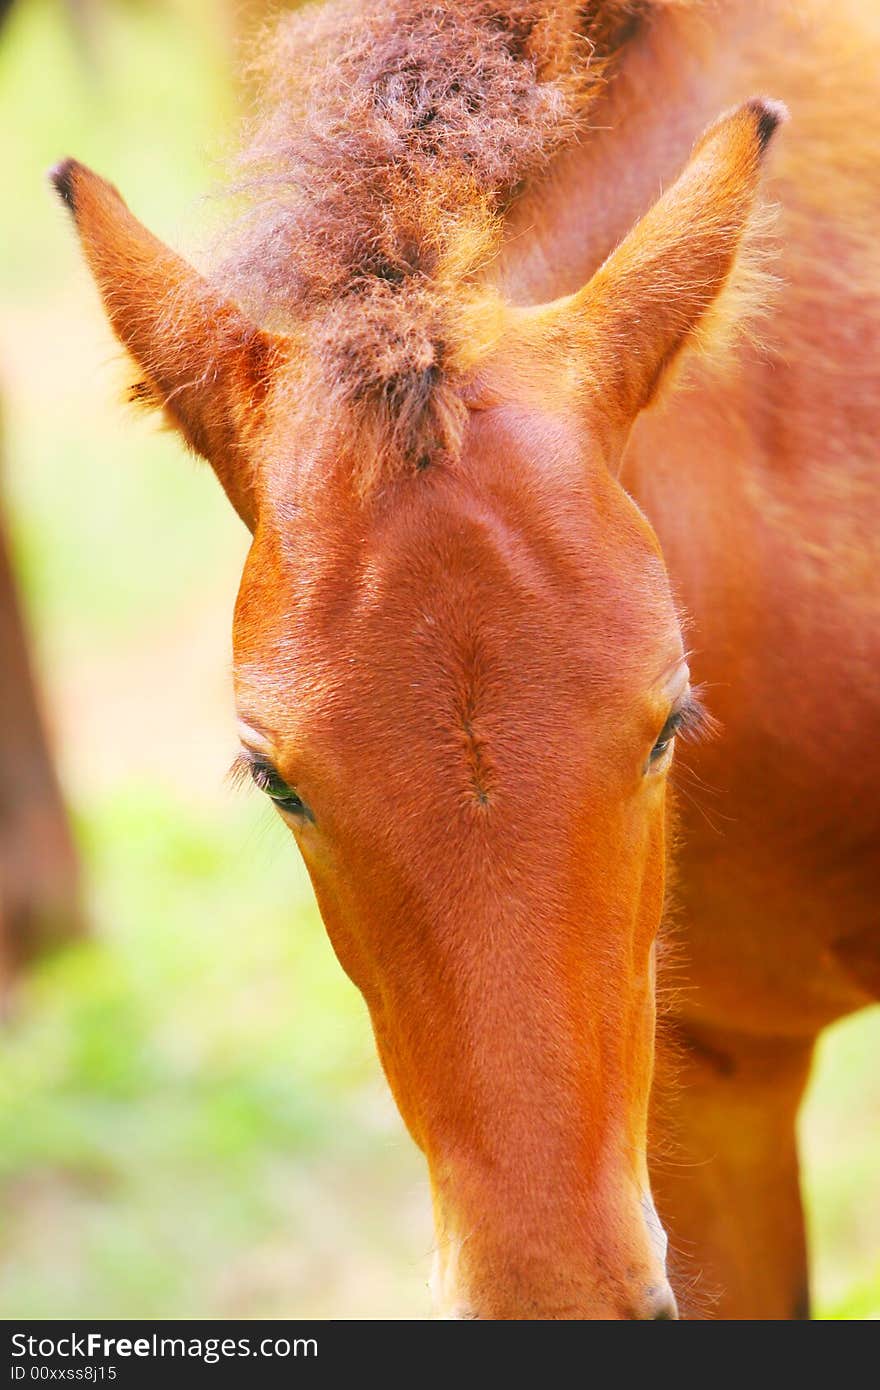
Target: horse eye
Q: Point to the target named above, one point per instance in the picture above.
(268, 781)
(667, 734)
(689, 720)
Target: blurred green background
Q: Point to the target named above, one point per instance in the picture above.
(192, 1119)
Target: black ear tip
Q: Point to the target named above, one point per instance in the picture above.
(769, 115)
(63, 179)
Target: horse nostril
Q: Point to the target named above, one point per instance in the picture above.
(662, 1305)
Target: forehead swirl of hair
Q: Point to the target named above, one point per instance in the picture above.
(389, 139)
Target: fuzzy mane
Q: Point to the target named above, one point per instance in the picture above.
(390, 139)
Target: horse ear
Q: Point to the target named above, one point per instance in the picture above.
(203, 363)
(631, 320)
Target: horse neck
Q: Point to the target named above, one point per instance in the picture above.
(766, 451)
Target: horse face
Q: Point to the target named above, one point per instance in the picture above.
(454, 691)
(461, 689)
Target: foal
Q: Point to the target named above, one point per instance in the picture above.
(432, 379)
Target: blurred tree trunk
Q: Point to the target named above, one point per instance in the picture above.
(39, 889)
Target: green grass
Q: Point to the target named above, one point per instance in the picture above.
(190, 1088)
(192, 1119)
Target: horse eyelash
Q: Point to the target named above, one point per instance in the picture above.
(694, 723)
(239, 774)
(250, 769)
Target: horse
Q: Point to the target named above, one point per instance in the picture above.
(542, 367)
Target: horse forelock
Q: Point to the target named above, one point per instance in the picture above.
(388, 141)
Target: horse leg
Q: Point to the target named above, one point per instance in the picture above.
(725, 1172)
(39, 903)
